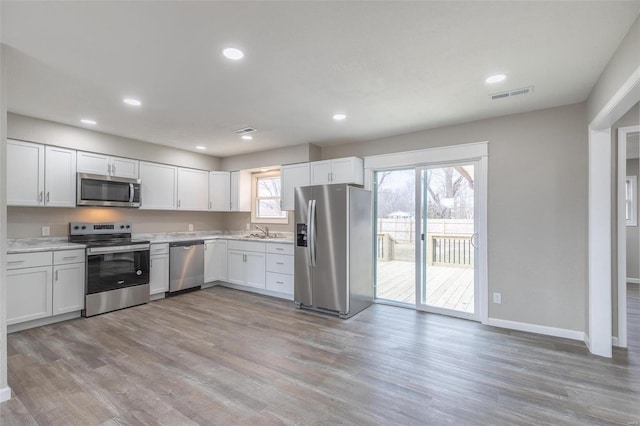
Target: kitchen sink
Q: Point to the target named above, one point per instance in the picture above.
(262, 236)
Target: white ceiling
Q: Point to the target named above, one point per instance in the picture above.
(392, 67)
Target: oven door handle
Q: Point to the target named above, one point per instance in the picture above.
(119, 249)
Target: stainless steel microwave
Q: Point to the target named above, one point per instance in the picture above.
(99, 190)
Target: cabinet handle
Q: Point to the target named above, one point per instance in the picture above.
(56, 275)
(15, 261)
(47, 196)
(178, 203)
(113, 169)
(279, 282)
(279, 248)
(150, 263)
(69, 257)
(40, 197)
(108, 169)
(279, 263)
(209, 204)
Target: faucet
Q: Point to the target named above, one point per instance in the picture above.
(265, 230)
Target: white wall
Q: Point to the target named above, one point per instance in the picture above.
(48, 132)
(537, 222)
(272, 157)
(4, 389)
(623, 63)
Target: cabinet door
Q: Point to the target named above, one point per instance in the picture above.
(193, 189)
(320, 172)
(124, 167)
(255, 269)
(25, 173)
(347, 170)
(90, 162)
(60, 177)
(219, 191)
(222, 260)
(237, 268)
(159, 186)
(240, 191)
(210, 261)
(29, 294)
(291, 177)
(159, 274)
(68, 288)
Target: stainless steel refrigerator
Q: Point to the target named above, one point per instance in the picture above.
(334, 249)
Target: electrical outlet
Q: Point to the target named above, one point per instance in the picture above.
(46, 231)
(191, 227)
(497, 298)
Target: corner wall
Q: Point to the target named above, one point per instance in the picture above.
(537, 220)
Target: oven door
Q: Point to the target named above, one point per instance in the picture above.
(111, 268)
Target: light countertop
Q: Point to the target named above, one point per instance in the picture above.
(29, 245)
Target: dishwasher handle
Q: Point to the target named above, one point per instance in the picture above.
(186, 244)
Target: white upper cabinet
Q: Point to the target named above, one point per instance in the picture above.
(60, 177)
(340, 170)
(100, 164)
(39, 175)
(240, 191)
(159, 187)
(291, 177)
(193, 189)
(25, 173)
(219, 191)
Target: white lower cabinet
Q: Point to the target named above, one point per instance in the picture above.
(222, 260)
(266, 267)
(211, 266)
(246, 263)
(159, 268)
(280, 264)
(44, 284)
(68, 288)
(29, 294)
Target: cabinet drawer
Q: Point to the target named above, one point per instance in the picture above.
(281, 283)
(29, 260)
(162, 248)
(280, 248)
(280, 263)
(63, 257)
(246, 246)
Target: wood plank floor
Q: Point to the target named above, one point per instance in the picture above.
(226, 357)
(447, 287)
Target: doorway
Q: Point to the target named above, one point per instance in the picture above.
(427, 247)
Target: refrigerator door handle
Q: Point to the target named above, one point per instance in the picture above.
(311, 232)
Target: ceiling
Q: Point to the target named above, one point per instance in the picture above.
(392, 67)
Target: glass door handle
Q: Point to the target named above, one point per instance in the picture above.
(474, 240)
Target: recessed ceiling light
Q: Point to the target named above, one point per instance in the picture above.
(496, 78)
(247, 137)
(200, 147)
(88, 121)
(131, 101)
(339, 117)
(233, 53)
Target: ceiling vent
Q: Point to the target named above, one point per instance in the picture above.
(514, 92)
(244, 131)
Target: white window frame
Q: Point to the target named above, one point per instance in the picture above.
(254, 198)
(631, 200)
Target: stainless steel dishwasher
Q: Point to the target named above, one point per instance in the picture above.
(186, 265)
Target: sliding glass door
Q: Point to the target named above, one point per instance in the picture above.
(447, 249)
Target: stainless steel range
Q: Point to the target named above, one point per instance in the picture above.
(117, 266)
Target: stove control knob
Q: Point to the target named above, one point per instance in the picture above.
(128, 226)
(121, 226)
(84, 227)
(76, 227)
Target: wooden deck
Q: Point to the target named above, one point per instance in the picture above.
(449, 288)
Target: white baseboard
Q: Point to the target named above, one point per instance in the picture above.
(633, 280)
(5, 394)
(587, 342)
(42, 321)
(540, 329)
(614, 341)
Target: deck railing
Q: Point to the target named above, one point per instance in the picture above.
(453, 250)
(386, 247)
